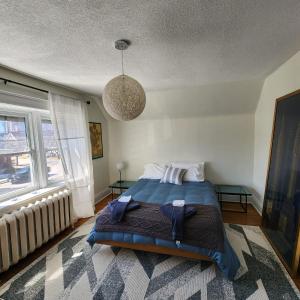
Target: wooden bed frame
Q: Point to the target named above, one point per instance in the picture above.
(156, 249)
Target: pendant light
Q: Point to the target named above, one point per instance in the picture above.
(123, 97)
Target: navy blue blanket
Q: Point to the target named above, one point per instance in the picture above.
(151, 191)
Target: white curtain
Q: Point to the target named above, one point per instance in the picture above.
(69, 118)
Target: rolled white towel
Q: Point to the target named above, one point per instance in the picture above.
(179, 203)
(124, 198)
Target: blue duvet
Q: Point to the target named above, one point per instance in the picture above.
(152, 191)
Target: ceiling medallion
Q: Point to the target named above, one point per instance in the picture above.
(123, 97)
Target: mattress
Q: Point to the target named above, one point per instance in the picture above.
(152, 191)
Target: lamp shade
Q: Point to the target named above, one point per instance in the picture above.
(120, 166)
(124, 98)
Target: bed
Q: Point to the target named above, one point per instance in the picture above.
(152, 191)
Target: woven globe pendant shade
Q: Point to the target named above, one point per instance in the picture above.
(124, 98)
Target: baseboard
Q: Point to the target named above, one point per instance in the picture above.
(101, 195)
(253, 201)
(256, 204)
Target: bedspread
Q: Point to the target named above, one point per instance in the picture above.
(151, 191)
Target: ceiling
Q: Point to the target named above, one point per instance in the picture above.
(174, 43)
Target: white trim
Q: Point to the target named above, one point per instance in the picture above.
(41, 169)
(14, 194)
(38, 167)
(256, 204)
(101, 195)
(23, 100)
(31, 151)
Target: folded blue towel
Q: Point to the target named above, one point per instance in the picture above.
(118, 209)
(177, 214)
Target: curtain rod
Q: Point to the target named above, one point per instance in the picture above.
(28, 86)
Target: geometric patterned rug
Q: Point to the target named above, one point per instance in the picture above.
(71, 270)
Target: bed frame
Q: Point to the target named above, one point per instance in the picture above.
(156, 249)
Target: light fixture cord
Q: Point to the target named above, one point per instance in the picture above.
(122, 63)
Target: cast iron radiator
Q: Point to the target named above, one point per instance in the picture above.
(26, 229)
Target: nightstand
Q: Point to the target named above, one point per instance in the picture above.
(124, 185)
(238, 190)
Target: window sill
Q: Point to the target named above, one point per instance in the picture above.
(17, 202)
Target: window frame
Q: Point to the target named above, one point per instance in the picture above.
(17, 113)
(44, 158)
(33, 124)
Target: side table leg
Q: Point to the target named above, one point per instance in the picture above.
(244, 205)
(220, 200)
(241, 203)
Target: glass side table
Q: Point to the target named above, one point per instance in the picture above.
(238, 190)
(124, 185)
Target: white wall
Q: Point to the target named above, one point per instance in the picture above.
(284, 80)
(211, 123)
(228, 98)
(29, 80)
(224, 142)
(100, 165)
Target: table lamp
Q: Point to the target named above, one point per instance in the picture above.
(120, 166)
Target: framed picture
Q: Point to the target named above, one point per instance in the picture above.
(96, 139)
(281, 213)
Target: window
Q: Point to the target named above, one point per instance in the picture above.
(15, 155)
(53, 161)
(29, 156)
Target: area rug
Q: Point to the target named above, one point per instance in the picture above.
(71, 270)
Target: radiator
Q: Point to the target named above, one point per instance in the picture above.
(26, 229)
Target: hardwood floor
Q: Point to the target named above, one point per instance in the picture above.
(252, 217)
(249, 218)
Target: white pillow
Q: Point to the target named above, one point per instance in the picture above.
(153, 171)
(195, 171)
(173, 175)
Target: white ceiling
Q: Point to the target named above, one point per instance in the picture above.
(175, 43)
